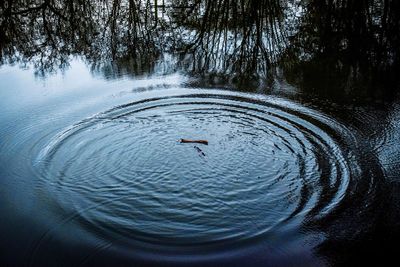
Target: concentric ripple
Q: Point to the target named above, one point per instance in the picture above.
(269, 163)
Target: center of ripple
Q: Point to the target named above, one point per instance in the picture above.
(125, 174)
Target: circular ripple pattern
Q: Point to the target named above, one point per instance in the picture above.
(269, 163)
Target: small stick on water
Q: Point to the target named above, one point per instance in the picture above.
(204, 142)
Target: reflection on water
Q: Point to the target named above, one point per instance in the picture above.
(323, 46)
(102, 169)
(346, 46)
(301, 174)
(48, 33)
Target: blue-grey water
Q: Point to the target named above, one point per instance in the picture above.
(93, 173)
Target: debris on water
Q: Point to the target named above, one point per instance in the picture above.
(204, 142)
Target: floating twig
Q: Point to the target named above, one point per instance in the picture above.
(204, 142)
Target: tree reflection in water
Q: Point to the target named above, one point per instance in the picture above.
(234, 37)
(343, 45)
(347, 47)
(48, 33)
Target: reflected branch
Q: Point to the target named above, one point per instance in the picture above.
(234, 37)
(346, 44)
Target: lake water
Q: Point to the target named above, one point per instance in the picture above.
(92, 172)
(298, 101)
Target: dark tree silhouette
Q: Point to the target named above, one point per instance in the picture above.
(242, 37)
(345, 45)
(332, 46)
(47, 33)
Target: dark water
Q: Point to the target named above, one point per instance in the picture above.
(98, 176)
(302, 162)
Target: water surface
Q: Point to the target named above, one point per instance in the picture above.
(97, 165)
(297, 99)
